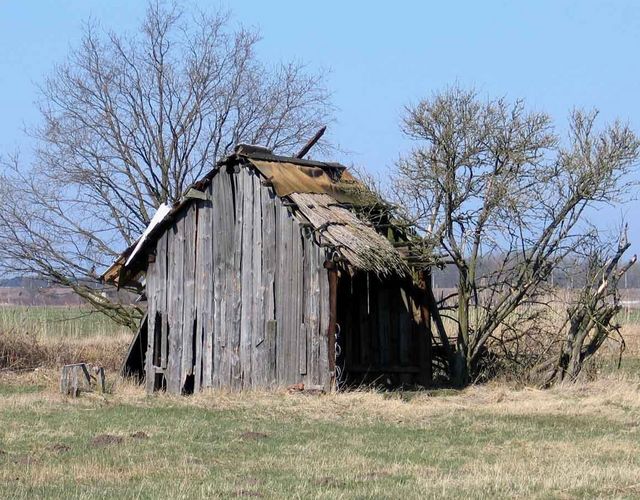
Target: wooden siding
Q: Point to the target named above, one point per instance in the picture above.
(382, 332)
(240, 293)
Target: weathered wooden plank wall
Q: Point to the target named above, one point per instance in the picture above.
(243, 290)
(382, 332)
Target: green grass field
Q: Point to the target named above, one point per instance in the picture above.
(577, 441)
(484, 442)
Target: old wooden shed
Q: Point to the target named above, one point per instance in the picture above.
(267, 274)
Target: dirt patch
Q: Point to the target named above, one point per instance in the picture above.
(140, 435)
(330, 482)
(59, 448)
(25, 460)
(249, 493)
(375, 475)
(106, 440)
(253, 436)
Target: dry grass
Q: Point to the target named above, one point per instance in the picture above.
(19, 351)
(50, 336)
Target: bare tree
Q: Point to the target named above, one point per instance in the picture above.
(591, 318)
(128, 123)
(489, 180)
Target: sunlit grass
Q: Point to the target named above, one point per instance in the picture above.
(490, 441)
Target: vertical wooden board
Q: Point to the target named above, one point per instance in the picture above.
(278, 287)
(189, 293)
(152, 287)
(175, 296)
(324, 312)
(384, 332)
(367, 330)
(220, 233)
(259, 362)
(302, 349)
(309, 317)
(349, 330)
(204, 294)
(223, 249)
(247, 289)
(257, 294)
(377, 345)
(300, 299)
(391, 299)
(288, 334)
(265, 345)
(270, 340)
(298, 340)
(291, 329)
(315, 268)
(234, 292)
(205, 283)
(161, 285)
(405, 330)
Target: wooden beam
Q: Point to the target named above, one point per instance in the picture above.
(312, 142)
(426, 356)
(333, 318)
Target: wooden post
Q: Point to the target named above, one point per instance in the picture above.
(333, 318)
(426, 361)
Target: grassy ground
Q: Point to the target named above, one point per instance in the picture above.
(486, 441)
(491, 441)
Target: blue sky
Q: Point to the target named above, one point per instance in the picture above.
(379, 57)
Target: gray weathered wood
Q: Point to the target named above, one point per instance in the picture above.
(160, 296)
(189, 294)
(204, 294)
(75, 378)
(152, 304)
(254, 290)
(175, 295)
(234, 293)
(323, 358)
(265, 345)
(247, 292)
(260, 312)
(220, 230)
(311, 306)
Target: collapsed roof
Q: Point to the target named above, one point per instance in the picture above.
(322, 195)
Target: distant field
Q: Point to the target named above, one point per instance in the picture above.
(51, 322)
(485, 442)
